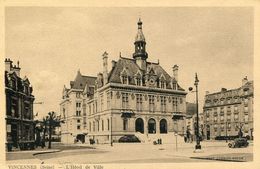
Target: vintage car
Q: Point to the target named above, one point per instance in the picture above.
(238, 142)
(129, 139)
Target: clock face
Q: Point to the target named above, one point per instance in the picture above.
(152, 81)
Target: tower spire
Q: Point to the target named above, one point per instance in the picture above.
(140, 54)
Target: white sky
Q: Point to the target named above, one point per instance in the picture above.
(52, 43)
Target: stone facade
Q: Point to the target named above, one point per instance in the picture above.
(73, 109)
(228, 111)
(135, 97)
(19, 107)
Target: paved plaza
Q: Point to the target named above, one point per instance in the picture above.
(133, 153)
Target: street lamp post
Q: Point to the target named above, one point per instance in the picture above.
(198, 146)
(226, 131)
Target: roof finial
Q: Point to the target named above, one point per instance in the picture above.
(120, 54)
(158, 61)
(18, 63)
(139, 23)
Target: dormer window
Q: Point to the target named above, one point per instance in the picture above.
(174, 86)
(138, 81)
(124, 76)
(124, 79)
(162, 84)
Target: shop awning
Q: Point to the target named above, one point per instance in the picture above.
(127, 114)
(178, 116)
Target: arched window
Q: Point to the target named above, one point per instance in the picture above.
(163, 126)
(151, 126)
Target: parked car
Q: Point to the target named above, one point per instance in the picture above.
(129, 139)
(238, 142)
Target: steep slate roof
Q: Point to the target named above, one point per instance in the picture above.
(132, 68)
(81, 81)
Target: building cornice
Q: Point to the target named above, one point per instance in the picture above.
(141, 88)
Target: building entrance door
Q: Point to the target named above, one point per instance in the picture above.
(151, 126)
(81, 138)
(139, 125)
(208, 135)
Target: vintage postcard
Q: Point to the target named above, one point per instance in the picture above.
(95, 86)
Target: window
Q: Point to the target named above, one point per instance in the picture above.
(222, 118)
(215, 118)
(78, 121)
(246, 109)
(207, 113)
(246, 118)
(236, 117)
(108, 100)
(228, 100)
(78, 112)
(235, 109)
(181, 100)
(151, 103)
(77, 95)
(89, 126)
(174, 86)
(229, 126)
(215, 127)
(64, 113)
(94, 126)
(222, 127)
(125, 123)
(228, 117)
(13, 84)
(96, 106)
(98, 125)
(78, 127)
(78, 105)
(124, 100)
(138, 81)
(89, 109)
(102, 125)
(175, 104)
(139, 102)
(236, 99)
(124, 79)
(102, 102)
(222, 101)
(163, 104)
(108, 124)
(246, 101)
(222, 110)
(162, 84)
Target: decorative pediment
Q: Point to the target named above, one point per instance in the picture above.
(162, 77)
(138, 74)
(124, 72)
(151, 71)
(26, 81)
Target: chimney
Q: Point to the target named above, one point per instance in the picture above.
(244, 81)
(8, 65)
(175, 72)
(105, 71)
(113, 64)
(16, 69)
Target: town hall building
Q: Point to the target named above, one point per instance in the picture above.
(136, 97)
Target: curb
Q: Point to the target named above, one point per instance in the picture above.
(216, 159)
(46, 152)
